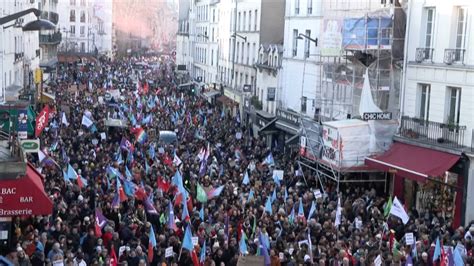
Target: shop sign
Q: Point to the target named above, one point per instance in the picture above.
(22, 124)
(30, 145)
(247, 88)
(377, 116)
(288, 116)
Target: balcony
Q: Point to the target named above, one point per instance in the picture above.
(432, 133)
(51, 16)
(454, 56)
(54, 38)
(18, 56)
(424, 54)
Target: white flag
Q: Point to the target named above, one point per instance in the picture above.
(86, 121)
(177, 161)
(41, 156)
(338, 213)
(398, 210)
(378, 260)
(64, 119)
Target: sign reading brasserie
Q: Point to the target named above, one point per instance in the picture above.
(288, 116)
(377, 116)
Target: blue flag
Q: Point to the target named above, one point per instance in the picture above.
(188, 239)
(312, 209)
(286, 194)
(274, 195)
(250, 195)
(458, 261)
(202, 255)
(246, 180)
(300, 209)
(437, 251)
(201, 214)
(268, 206)
(243, 244)
(264, 250)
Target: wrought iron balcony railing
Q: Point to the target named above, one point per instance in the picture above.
(424, 54)
(446, 135)
(453, 56)
(54, 38)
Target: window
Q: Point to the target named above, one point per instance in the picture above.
(72, 31)
(82, 30)
(424, 102)
(430, 15)
(306, 43)
(212, 57)
(213, 15)
(242, 54)
(256, 20)
(460, 33)
(244, 22)
(248, 53)
(254, 52)
(310, 7)
(238, 22)
(250, 20)
(83, 16)
(297, 7)
(73, 2)
(237, 51)
(454, 104)
(83, 46)
(303, 104)
(83, 2)
(72, 15)
(295, 42)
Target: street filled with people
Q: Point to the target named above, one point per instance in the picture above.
(208, 194)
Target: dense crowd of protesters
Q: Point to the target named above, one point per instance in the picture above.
(127, 188)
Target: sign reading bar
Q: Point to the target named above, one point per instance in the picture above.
(377, 116)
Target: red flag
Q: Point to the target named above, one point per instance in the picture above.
(195, 258)
(163, 185)
(79, 181)
(113, 257)
(189, 202)
(167, 161)
(98, 230)
(122, 195)
(178, 199)
(42, 120)
(140, 193)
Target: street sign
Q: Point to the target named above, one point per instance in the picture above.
(30, 145)
(377, 116)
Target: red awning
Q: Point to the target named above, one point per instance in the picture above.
(24, 196)
(413, 162)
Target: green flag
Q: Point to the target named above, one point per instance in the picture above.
(254, 225)
(388, 206)
(201, 194)
(162, 218)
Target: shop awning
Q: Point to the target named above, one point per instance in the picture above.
(269, 128)
(227, 101)
(47, 97)
(413, 162)
(287, 127)
(25, 196)
(210, 94)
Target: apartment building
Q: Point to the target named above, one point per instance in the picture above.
(49, 40)
(19, 51)
(437, 101)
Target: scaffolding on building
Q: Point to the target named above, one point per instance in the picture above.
(353, 40)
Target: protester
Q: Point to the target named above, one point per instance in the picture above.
(123, 197)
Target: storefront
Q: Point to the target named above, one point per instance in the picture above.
(426, 179)
(23, 196)
(211, 96)
(284, 130)
(229, 105)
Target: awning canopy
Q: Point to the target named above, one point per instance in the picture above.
(227, 101)
(287, 127)
(269, 128)
(25, 196)
(413, 162)
(47, 97)
(210, 94)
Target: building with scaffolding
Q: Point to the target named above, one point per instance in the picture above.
(357, 38)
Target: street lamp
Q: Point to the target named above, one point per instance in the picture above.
(35, 25)
(302, 36)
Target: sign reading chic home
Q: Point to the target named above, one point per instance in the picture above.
(377, 116)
